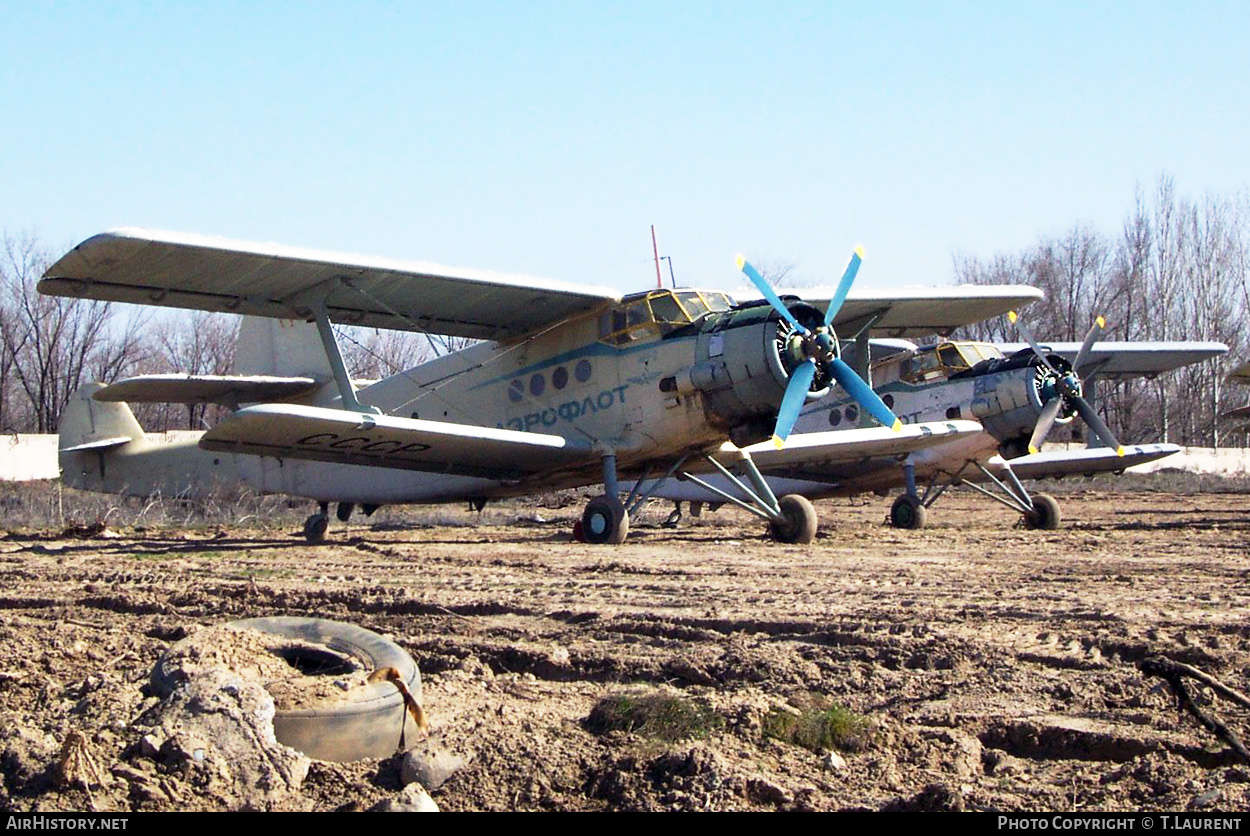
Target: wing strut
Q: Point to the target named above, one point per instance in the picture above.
(316, 299)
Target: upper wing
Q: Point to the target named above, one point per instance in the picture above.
(1130, 359)
(334, 435)
(230, 390)
(1085, 461)
(806, 452)
(920, 311)
(215, 274)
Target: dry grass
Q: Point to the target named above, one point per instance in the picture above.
(1161, 481)
(820, 725)
(657, 715)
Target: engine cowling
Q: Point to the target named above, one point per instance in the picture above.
(1010, 397)
(744, 360)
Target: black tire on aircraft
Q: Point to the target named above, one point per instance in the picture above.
(1045, 514)
(370, 719)
(605, 521)
(908, 512)
(798, 521)
(315, 528)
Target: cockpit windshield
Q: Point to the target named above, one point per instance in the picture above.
(947, 358)
(657, 313)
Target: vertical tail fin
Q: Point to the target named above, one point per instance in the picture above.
(285, 348)
(88, 424)
(90, 431)
(282, 347)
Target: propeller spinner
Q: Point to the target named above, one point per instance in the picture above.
(816, 350)
(1069, 390)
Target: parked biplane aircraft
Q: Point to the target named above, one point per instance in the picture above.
(572, 385)
(1016, 391)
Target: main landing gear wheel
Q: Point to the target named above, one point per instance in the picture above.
(1045, 513)
(908, 512)
(798, 521)
(315, 528)
(605, 521)
(366, 721)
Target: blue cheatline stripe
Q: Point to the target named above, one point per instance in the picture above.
(593, 350)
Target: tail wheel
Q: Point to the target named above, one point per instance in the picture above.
(1045, 513)
(315, 528)
(605, 521)
(798, 521)
(908, 512)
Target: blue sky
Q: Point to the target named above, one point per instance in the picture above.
(546, 137)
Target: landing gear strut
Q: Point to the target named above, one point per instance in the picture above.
(1037, 511)
(791, 519)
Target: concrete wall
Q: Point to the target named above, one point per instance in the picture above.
(27, 456)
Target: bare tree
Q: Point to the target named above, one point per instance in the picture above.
(56, 344)
(198, 344)
(374, 353)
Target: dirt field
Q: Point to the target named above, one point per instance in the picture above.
(984, 666)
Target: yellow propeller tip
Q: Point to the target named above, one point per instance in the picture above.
(859, 251)
(1119, 451)
(1011, 315)
(740, 260)
(779, 442)
(898, 425)
(1102, 323)
(1033, 449)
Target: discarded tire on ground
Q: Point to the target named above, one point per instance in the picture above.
(369, 721)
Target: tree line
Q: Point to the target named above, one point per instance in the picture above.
(1176, 270)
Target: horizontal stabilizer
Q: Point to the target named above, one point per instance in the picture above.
(1087, 461)
(812, 450)
(227, 390)
(336, 435)
(100, 444)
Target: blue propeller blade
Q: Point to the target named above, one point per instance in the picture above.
(844, 286)
(771, 295)
(792, 402)
(855, 386)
